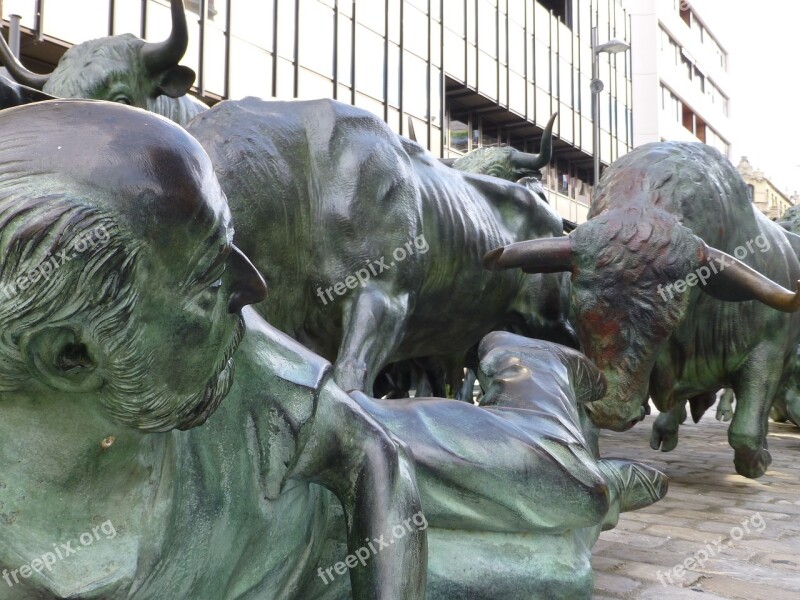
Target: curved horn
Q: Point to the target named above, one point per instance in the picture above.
(547, 255)
(17, 70)
(534, 162)
(786, 224)
(736, 282)
(412, 135)
(158, 57)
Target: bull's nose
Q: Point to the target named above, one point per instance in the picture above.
(609, 418)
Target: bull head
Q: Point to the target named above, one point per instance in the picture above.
(619, 263)
(160, 61)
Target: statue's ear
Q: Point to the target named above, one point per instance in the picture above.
(176, 82)
(60, 359)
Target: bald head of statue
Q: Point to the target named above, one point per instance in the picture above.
(119, 280)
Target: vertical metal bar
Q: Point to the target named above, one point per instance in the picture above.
(228, 35)
(353, 53)
(39, 20)
(14, 34)
(296, 51)
(442, 86)
(274, 48)
(525, 55)
(428, 71)
(477, 45)
(386, 59)
(403, 121)
(144, 20)
(336, 50)
(112, 9)
(508, 65)
(201, 75)
(595, 112)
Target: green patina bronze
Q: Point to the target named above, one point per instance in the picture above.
(126, 433)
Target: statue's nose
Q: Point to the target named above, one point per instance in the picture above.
(248, 286)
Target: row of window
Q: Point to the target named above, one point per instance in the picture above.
(675, 55)
(702, 34)
(682, 113)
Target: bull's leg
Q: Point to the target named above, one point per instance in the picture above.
(725, 406)
(373, 322)
(665, 428)
(755, 388)
(466, 390)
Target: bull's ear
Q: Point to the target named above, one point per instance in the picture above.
(176, 82)
(58, 357)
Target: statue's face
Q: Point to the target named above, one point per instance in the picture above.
(192, 284)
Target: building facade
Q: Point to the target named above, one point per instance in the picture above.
(680, 73)
(463, 73)
(763, 193)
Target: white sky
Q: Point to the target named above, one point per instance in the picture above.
(762, 38)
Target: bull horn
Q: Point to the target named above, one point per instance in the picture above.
(547, 255)
(534, 162)
(737, 282)
(786, 224)
(158, 57)
(412, 135)
(17, 70)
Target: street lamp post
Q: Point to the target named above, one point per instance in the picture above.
(611, 47)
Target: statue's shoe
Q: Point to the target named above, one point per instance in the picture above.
(633, 485)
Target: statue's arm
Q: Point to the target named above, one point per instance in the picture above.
(346, 451)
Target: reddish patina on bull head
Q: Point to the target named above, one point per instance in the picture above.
(622, 260)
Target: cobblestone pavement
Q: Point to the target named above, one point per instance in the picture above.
(749, 530)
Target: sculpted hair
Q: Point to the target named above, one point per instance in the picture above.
(85, 67)
(90, 283)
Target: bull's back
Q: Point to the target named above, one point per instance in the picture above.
(465, 216)
(690, 180)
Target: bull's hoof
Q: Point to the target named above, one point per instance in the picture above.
(724, 412)
(752, 464)
(663, 439)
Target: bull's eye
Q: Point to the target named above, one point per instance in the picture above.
(123, 100)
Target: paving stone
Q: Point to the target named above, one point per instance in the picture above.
(738, 589)
(605, 582)
(707, 501)
(671, 593)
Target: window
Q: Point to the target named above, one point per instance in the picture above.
(699, 81)
(194, 6)
(685, 13)
(562, 10)
(489, 133)
(458, 135)
(316, 37)
(369, 65)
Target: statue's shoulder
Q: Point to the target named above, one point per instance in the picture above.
(278, 358)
